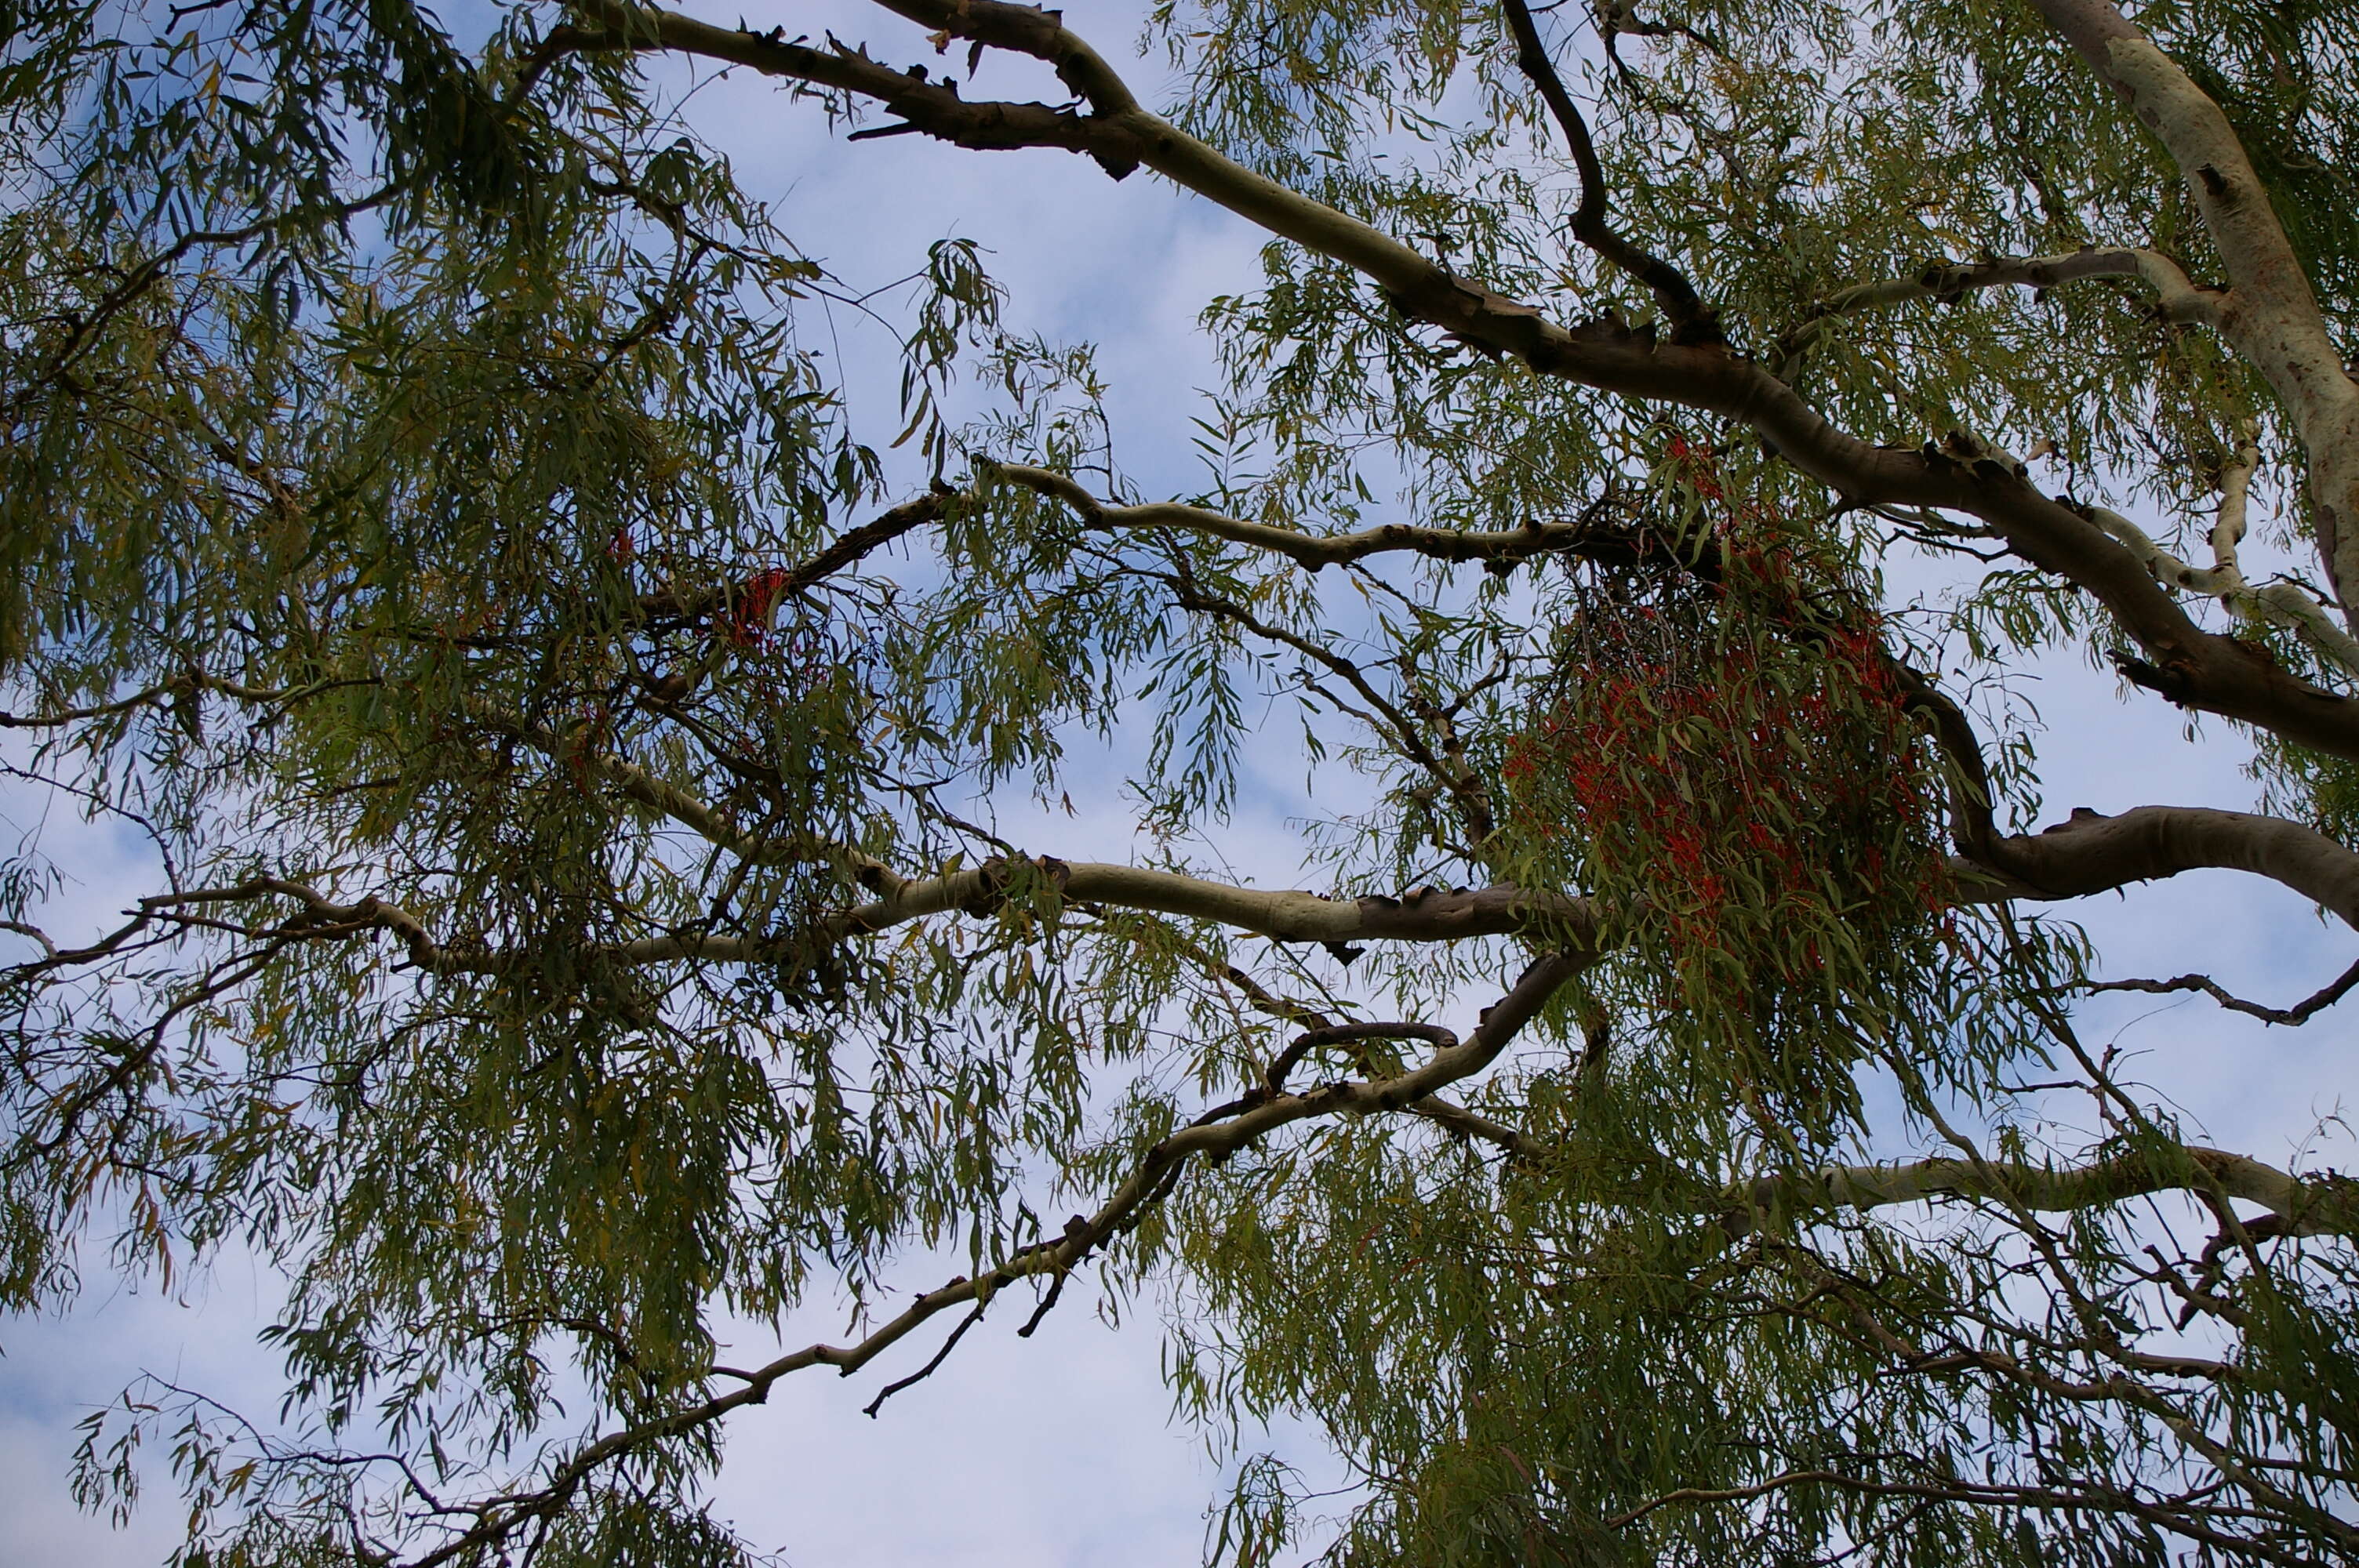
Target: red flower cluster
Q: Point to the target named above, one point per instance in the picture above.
(749, 612)
(1740, 768)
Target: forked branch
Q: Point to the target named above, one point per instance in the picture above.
(2198, 668)
(499, 1519)
(2270, 314)
(1590, 223)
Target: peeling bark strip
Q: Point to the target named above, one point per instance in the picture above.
(2269, 313)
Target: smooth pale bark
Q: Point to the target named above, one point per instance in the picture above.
(2269, 313)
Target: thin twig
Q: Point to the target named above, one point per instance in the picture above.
(922, 1373)
(1671, 287)
(2302, 1011)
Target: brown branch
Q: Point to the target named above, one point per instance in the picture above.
(83, 327)
(926, 1371)
(1672, 291)
(847, 549)
(2334, 991)
(1464, 786)
(1588, 537)
(500, 1518)
(179, 688)
(1273, 1075)
(931, 107)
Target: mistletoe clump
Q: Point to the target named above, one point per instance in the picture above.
(1731, 762)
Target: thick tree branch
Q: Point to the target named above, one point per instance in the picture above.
(1426, 915)
(2094, 853)
(2306, 1205)
(2269, 313)
(1028, 30)
(2194, 668)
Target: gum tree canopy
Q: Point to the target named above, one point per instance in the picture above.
(1658, 436)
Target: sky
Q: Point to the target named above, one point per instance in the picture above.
(1060, 1450)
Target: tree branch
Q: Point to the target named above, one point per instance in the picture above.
(2094, 853)
(1672, 291)
(2180, 299)
(931, 107)
(2307, 1205)
(2269, 313)
(848, 548)
(2197, 668)
(2302, 1012)
(1587, 537)
(1425, 915)
(500, 1518)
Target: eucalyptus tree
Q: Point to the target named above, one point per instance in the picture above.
(555, 723)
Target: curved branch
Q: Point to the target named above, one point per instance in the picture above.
(2089, 854)
(2277, 604)
(2194, 668)
(180, 689)
(2180, 299)
(2271, 313)
(2306, 1205)
(1671, 287)
(2094, 853)
(847, 549)
(2302, 1012)
(501, 1519)
(934, 108)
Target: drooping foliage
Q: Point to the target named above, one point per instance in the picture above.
(436, 541)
